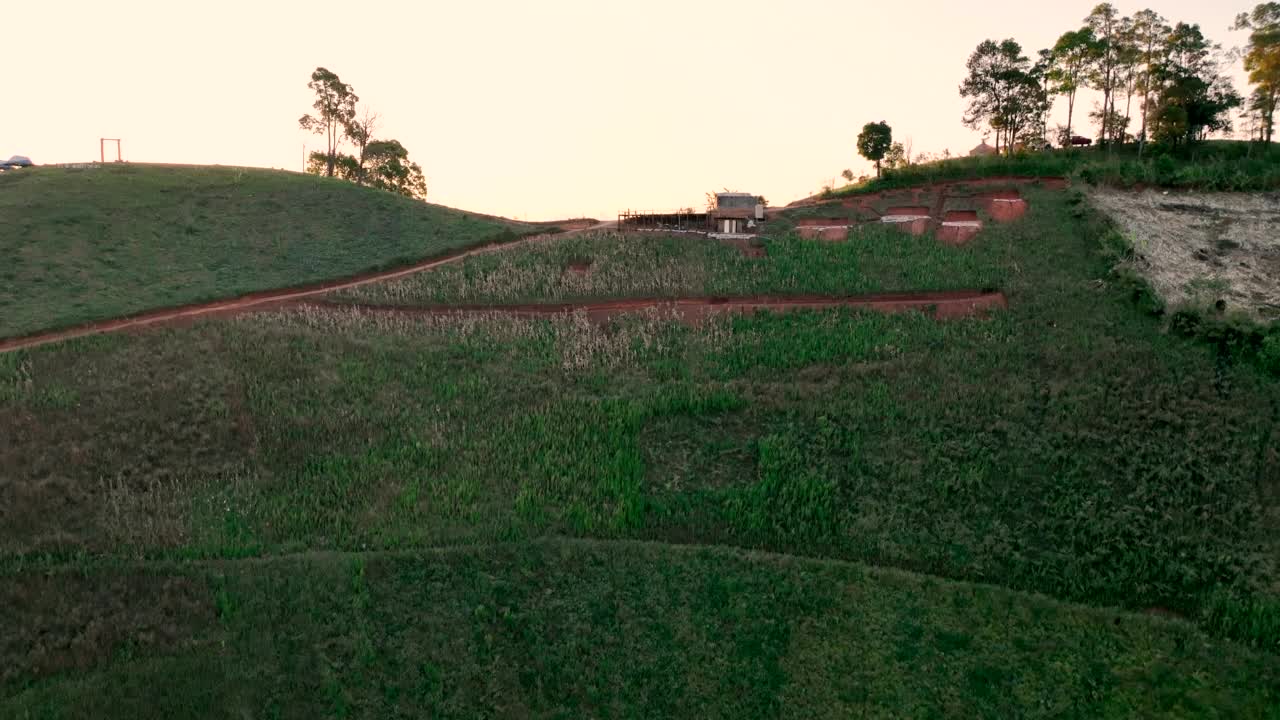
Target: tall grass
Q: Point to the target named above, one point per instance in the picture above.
(1067, 446)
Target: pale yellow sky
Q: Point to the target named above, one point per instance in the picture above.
(528, 109)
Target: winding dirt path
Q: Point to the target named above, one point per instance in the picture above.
(258, 300)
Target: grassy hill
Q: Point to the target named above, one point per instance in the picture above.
(107, 241)
(1061, 510)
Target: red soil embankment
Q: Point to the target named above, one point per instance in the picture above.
(831, 229)
(1005, 205)
(920, 191)
(959, 227)
(941, 305)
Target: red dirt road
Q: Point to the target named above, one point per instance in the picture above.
(941, 305)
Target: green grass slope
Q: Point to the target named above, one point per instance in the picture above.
(265, 492)
(588, 629)
(101, 242)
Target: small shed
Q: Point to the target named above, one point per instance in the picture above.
(736, 213)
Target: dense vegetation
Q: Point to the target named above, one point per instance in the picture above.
(108, 241)
(555, 629)
(1174, 81)
(1066, 447)
(607, 266)
(1215, 165)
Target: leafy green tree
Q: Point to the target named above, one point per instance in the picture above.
(1262, 61)
(1105, 61)
(1149, 31)
(874, 142)
(335, 107)
(999, 88)
(1128, 75)
(1193, 92)
(387, 167)
(1040, 71)
(1071, 57)
(896, 157)
(1169, 125)
(345, 166)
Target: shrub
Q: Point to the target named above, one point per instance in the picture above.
(1270, 352)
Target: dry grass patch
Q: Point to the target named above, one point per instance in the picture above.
(1204, 248)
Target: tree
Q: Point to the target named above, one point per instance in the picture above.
(388, 168)
(1262, 61)
(1104, 61)
(1041, 70)
(344, 166)
(1149, 32)
(1071, 55)
(335, 108)
(896, 157)
(998, 89)
(874, 142)
(1194, 94)
(360, 132)
(847, 174)
(1127, 75)
(1028, 110)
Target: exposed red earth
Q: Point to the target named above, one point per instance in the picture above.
(959, 227)
(921, 193)
(940, 305)
(923, 208)
(1005, 205)
(914, 220)
(749, 247)
(830, 229)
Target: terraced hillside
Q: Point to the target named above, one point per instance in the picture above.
(1056, 509)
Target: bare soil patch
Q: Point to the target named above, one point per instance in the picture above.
(1204, 248)
(959, 227)
(913, 219)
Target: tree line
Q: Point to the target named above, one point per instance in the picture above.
(379, 163)
(1160, 82)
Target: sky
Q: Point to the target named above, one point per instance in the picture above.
(534, 110)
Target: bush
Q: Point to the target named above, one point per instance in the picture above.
(1270, 352)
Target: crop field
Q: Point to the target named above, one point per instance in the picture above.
(1059, 509)
(101, 242)
(577, 628)
(610, 265)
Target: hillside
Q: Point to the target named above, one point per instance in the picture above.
(1219, 165)
(113, 240)
(365, 505)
